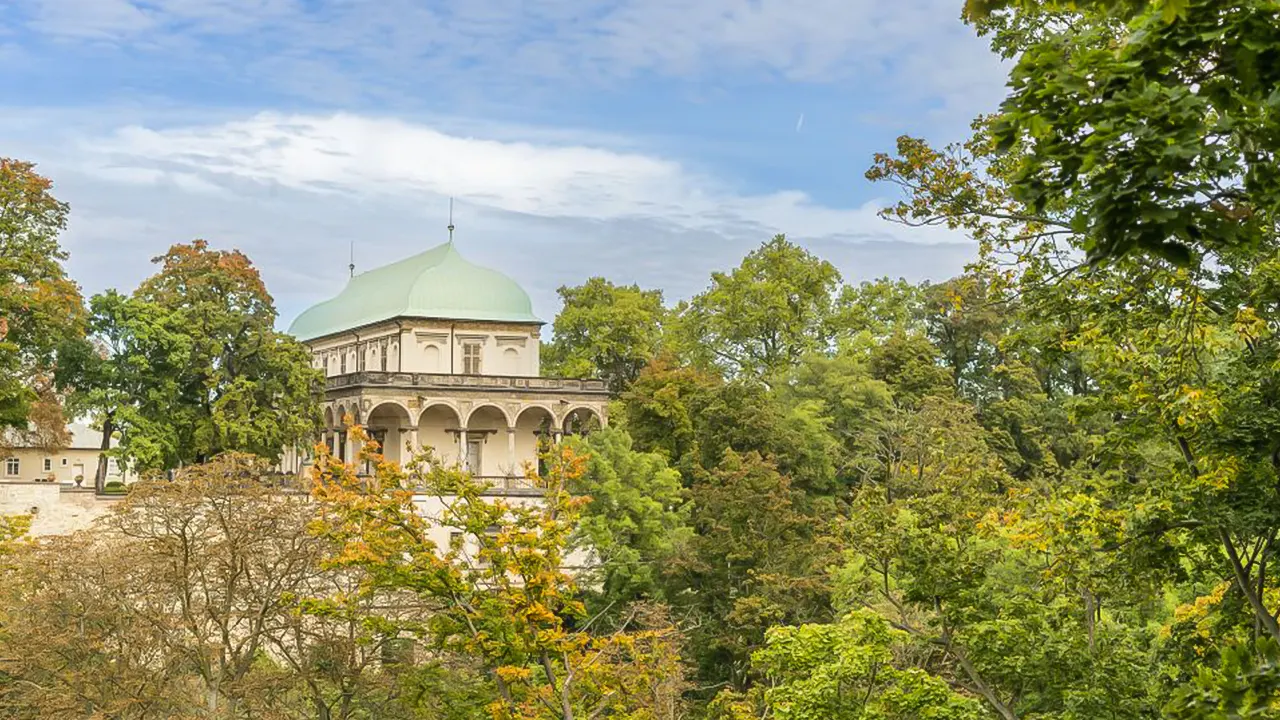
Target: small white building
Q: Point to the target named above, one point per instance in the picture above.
(77, 461)
(42, 484)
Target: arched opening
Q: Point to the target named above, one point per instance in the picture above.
(393, 357)
(341, 419)
(511, 361)
(438, 428)
(581, 421)
(487, 452)
(389, 425)
(535, 432)
(431, 358)
(326, 433)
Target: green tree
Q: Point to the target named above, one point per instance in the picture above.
(762, 317)
(878, 308)
(692, 417)
(850, 670)
(759, 558)
(1155, 399)
(1161, 133)
(128, 354)
(191, 365)
(635, 520)
(605, 330)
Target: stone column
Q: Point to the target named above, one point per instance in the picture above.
(511, 451)
(413, 437)
(463, 460)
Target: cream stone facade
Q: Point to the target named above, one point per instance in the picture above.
(436, 352)
(79, 460)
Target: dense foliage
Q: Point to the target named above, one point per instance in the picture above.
(1047, 488)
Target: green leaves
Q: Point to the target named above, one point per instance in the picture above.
(635, 521)
(1160, 136)
(762, 317)
(191, 365)
(40, 306)
(605, 330)
(850, 670)
(1247, 685)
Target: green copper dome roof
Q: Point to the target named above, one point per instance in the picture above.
(437, 283)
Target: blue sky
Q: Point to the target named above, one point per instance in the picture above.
(648, 141)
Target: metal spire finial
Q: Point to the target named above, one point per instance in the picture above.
(351, 266)
(451, 220)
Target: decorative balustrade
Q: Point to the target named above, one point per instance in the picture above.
(503, 484)
(445, 381)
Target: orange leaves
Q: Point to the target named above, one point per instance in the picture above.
(500, 590)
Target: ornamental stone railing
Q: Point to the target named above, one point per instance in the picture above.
(445, 381)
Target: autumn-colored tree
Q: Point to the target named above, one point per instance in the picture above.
(205, 597)
(39, 305)
(87, 638)
(501, 590)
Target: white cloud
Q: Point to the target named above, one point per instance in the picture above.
(380, 48)
(295, 192)
(350, 154)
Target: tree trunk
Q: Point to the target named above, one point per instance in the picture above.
(1260, 611)
(100, 475)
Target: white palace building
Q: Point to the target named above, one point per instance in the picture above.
(428, 351)
(436, 351)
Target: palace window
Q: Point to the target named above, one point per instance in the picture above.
(12, 467)
(471, 358)
(48, 464)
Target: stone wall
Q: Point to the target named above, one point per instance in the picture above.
(54, 509)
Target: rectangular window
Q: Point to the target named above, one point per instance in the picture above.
(471, 358)
(12, 467)
(64, 462)
(48, 464)
(473, 455)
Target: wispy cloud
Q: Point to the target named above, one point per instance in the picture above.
(348, 154)
(318, 48)
(295, 190)
(646, 140)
